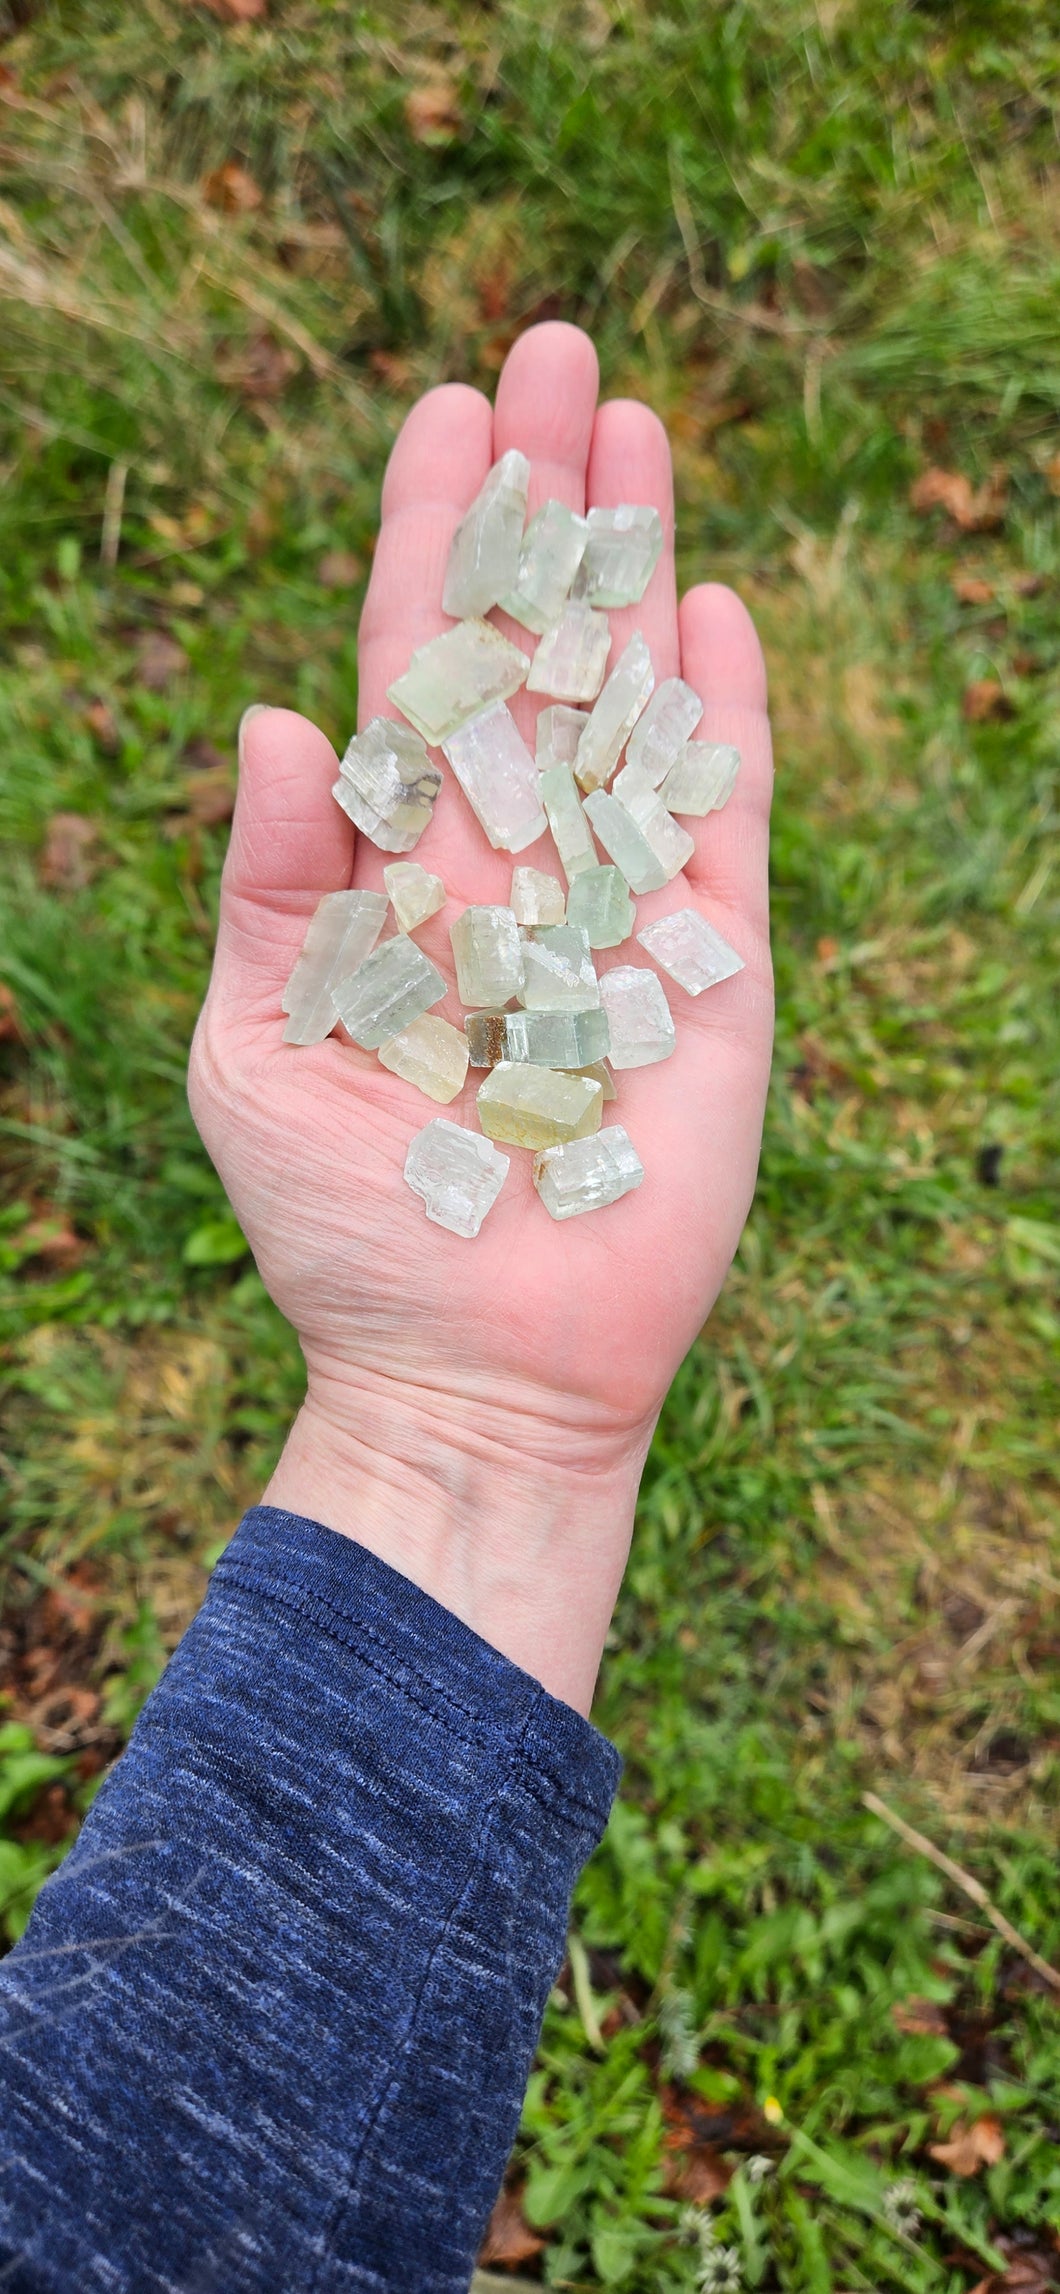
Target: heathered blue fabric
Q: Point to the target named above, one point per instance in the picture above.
(271, 2021)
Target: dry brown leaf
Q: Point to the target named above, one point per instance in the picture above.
(1052, 472)
(159, 659)
(1030, 584)
(985, 701)
(432, 111)
(66, 863)
(203, 757)
(970, 2147)
(971, 589)
(232, 188)
(921, 2016)
(976, 510)
(391, 367)
(211, 795)
(10, 1023)
(238, 11)
(52, 1238)
(509, 2237)
(103, 726)
(700, 2177)
(339, 569)
(260, 368)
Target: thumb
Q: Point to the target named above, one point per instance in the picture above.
(290, 844)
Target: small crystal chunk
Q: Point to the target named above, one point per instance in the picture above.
(621, 554)
(640, 1019)
(499, 778)
(671, 844)
(385, 993)
(430, 1054)
(566, 818)
(537, 898)
(488, 954)
(703, 776)
(537, 1039)
(660, 735)
(414, 893)
(689, 948)
(343, 930)
(601, 1074)
(552, 550)
(624, 696)
(587, 1174)
(387, 784)
(559, 731)
(537, 1106)
(572, 656)
(599, 902)
(627, 845)
(559, 972)
(458, 1174)
(456, 676)
(484, 557)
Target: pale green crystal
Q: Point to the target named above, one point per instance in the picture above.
(499, 778)
(600, 1072)
(566, 818)
(624, 696)
(587, 1174)
(538, 1107)
(387, 784)
(559, 971)
(551, 552)
(660, 735)
(430, 1054)
(488, 954)
(484, 556)
(414, 893)
(689, 948)
(391, 988)
(572, 656)
(599, 902)
(671, 844)
(342, 931)
(537, 898)
(639, 1017)
(621, 554)
(628, 848)
(559, 731)
(540, 1039)
(458, 1174)
(702, 778)
(456, 676)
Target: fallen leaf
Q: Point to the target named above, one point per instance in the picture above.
(391, 367)
(339, 569)
(971, 589)
(969, 2148)
(53, 1239)
(1052, 472)
(259, 368)
(699, 2178)
(159, 660)
(921, 2016)
(1026, 665)
(494, 292)
(827, 951)
(10, 1024)
(237, 11)
(103, 726)
(211, 796)
(232, 188)
(66, 863)
(203, 757)
(985, 701)
(976, 510)
(432, 111)
(509, 2237)
(62, 1720)
(1030, 584)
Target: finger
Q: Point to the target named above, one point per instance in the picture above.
(722, 659)
(546, 404)
(630, 462)
(290, 844)
(441, 457)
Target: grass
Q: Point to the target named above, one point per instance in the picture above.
(819, 238)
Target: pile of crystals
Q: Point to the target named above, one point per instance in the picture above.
(550, 1058)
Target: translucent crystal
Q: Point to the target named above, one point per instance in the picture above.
(343, 930)
(689, 948)
(538, 1107)
(639, 1017)
(599, 902)
(627, 690)
(559, 731)
(456, 676)
(537, 1039)
(458, 1174)
(601, 1074)
(391, 988)
(387, 784)
(430, 1054)
(572, 656)
(670, 843)
(484, 557)
(702, 777)
(628, 847)
(559, 972)
(587, 1174)
(499, 778)
(414, 893)
(660, 735)
(488, 954)
(566, 818)
(552, 550)
(621, 554)
(537, 898)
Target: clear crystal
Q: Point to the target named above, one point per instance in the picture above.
(538, 1039)
(430, 1054)
(689, 948)
(387, 784)
(703, 776)
(621, 554)
(587, 1174)
(538, 1106)
(660, 735)
(559, 972)
(392, 987)
(601, 1074)
(628, 847)
(624, 696)
(458, 1174)
(559, 731)
(599, 902)
(484, 557)
(414, 893)
(572, 656)
(671, 844)
(552, 550)
(456, 676)
(537, 898)
(639, 1017)
(499, 778)
(566, 818)
(343, 930)
(488, 954)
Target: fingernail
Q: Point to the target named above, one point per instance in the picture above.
(255, 710)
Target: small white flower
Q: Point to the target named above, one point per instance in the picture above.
(900, 2210)
(758, 2169)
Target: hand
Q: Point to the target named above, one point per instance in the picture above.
(478, 1412)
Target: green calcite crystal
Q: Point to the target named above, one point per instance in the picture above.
(414, 893)
(343, 930)
(484, 557)
(499, 778)
(559, 731)
(488, 954)
(638, 1015)
(587, 1174)
(672, 845)
(537, 898)
(388, 991)
(600, 1072)
(537, 1107)
(572, 656)
(430, 1054)
(539, 1039)
(387, 784)
(689, 948)
(628, 848)
(552, 550)
(702, 777)
(622, 551)
(457, 1174)
(611, 722)
(456, 676)
(566, 818)
(559, 974)
(599, 904)
(660, 735)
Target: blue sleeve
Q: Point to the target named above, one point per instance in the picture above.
(270, 2024)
